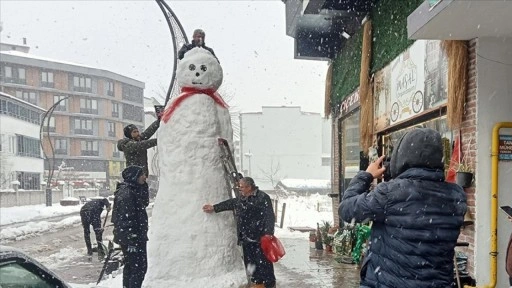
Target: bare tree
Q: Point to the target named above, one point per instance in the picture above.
(271, 175)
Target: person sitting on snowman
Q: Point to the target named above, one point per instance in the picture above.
(197, 41)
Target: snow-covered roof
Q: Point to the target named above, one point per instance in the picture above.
(305, 183)
(21, 101)
(32, 56)
(31, 60)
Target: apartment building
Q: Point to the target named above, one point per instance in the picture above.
(85, 126)
(20, 149)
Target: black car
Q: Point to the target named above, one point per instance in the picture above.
(18, 270)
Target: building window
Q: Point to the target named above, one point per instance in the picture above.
(115, 110)
(132, 93)
(29, 147)
(14, 75)
(109, 88)
(7, 72)
(47, 79)
(30, 97)
(51, 126)
(349, 147)
(88, 106)
(3, 106)
(115, 152)
(23, 112)
(326, 161)
(29, 181)
(62, 105)
(111, 129)
(61, 146)
(84, 127)
(134, 113)
(82, 84)
(89, 148)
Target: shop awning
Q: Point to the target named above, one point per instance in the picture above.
(321, 27)
(460, 20)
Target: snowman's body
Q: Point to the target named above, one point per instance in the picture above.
(187, 247)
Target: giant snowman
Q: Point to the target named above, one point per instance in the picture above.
(187, 247)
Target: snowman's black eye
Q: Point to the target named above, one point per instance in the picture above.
(192, 67)
(203, 68)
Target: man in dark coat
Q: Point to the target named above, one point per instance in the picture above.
(131, 224)
(197, 41)
(255, 218)
(136, 144)
(416, 216)
(90, 214)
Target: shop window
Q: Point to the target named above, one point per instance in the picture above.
(350, 148)
(389, 141)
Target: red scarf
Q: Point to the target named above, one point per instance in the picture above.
(186, 92)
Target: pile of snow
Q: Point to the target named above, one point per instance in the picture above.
(18, 214)
(34, 228)
(293, 184)
(305, 210)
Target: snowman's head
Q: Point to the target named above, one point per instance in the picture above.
(199, 69)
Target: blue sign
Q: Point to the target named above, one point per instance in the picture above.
(505, 148)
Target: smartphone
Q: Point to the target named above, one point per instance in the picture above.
(159, 109)
(507, 209)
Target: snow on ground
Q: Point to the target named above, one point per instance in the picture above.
(18, 214)
(305, 210)
(300, 211)
(34, 228)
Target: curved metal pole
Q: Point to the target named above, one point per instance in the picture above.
(175, 28)
(47, 115)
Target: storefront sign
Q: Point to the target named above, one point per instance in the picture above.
(350, 103)
(505, 148)
(414, 82)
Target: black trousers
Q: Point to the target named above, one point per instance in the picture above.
(261, 270)
(135, 265)
(89, 219)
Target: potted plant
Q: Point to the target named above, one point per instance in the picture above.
(326, 238)
(464, 175)
(328, 242)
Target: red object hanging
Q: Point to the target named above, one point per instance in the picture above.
(272, 248)
(454, 161)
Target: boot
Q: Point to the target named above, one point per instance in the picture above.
(89, 248)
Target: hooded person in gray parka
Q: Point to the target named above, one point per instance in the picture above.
(416, 216)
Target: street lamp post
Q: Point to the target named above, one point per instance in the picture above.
(249, 155)
(51, 169)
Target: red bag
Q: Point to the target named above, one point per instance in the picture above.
(272, 248)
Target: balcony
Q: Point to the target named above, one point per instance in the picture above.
(111, 133)
(61, 152)
(90, 153)
(48, 84)
(84, 132)
(460, 20)
(89, 111)
(115, 114)
(116, 154)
